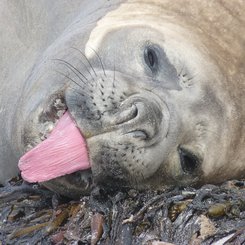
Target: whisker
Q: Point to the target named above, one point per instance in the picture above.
(77, 92)
(181, 70)
(72, 68)
(72, 80)
(99, 60)
(61, 73)
(87, 69)
(190, 78)
(87, 61)
(114, 75)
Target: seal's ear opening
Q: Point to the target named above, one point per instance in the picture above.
(189, 162)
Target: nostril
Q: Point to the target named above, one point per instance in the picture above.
(140, 134)
(127, 115)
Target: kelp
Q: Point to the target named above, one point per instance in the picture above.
(32, 214)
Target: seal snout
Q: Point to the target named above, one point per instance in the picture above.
(140, 118)
(126, 114)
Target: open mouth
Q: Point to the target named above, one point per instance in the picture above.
(62, 151)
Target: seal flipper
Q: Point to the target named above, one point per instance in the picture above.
(63, 152)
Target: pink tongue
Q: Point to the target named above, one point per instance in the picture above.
(63, 152)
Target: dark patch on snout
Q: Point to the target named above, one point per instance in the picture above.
(51, 109)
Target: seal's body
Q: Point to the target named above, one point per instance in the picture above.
(156, 88)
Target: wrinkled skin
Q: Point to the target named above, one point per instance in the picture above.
(157, 93)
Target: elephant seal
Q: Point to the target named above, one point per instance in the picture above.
(155, 87)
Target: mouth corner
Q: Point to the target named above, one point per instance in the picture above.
(73, 185)
(55, 107)
(60, 150)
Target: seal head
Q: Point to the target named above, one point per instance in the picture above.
(157, 99)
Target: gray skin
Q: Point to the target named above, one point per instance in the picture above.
(156, 88)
